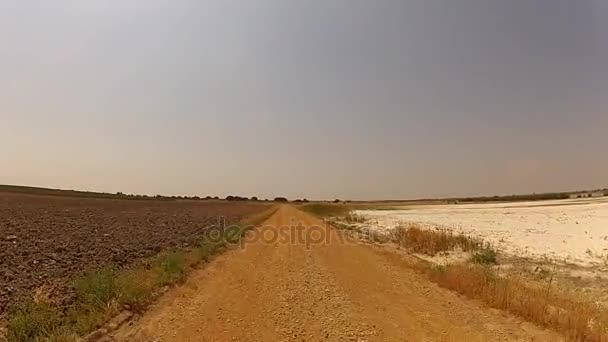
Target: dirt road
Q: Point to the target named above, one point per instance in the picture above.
(277, 290)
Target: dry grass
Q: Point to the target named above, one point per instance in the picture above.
(578, 320)
(431, 242)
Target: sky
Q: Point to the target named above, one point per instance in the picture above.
(323, 99)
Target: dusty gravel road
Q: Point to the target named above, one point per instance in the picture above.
(285, 291)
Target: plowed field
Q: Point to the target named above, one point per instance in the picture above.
(47, 240)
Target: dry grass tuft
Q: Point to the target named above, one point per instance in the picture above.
(431, 242)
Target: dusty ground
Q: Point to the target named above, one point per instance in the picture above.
(282, 290)
(47, 240)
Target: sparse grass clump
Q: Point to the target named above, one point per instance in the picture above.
(171, 268)
(431, 242)
(97, 288)
(29, 320)
(135, 288)
(207, 248)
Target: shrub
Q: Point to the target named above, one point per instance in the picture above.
(485, 256)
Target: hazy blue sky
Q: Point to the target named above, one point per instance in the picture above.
(319, 99)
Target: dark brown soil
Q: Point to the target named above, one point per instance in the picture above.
(48, 240)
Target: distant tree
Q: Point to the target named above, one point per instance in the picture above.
(236, 198)
(337, 201)
(254, 198)
(280, 199)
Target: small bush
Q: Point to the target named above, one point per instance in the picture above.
(485, 256)
(29, 321)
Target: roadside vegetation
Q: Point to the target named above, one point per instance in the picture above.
(101, 294)
(540, 303)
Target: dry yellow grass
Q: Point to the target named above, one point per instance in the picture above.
(431, 242)
(578, 320)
